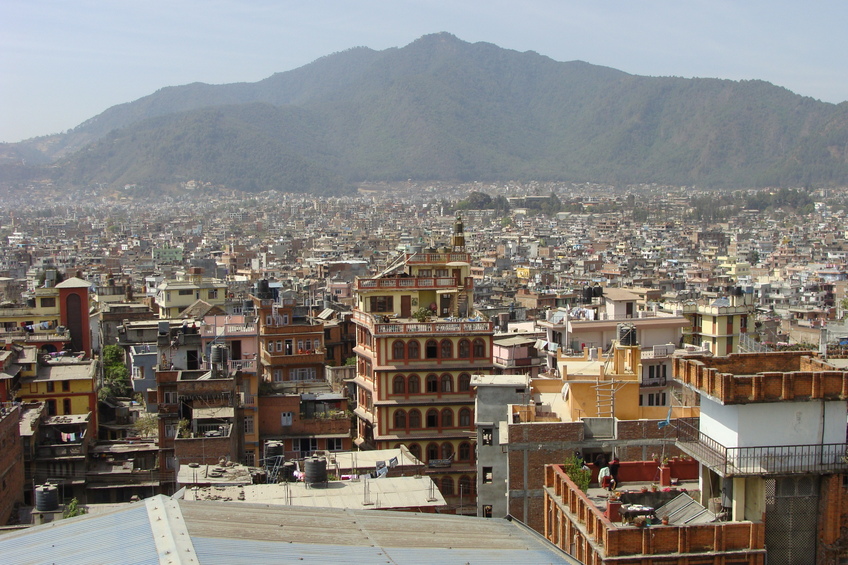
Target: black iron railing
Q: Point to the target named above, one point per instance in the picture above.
(761, 460)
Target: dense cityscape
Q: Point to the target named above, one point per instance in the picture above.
(592, 361)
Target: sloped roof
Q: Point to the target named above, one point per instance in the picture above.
(183, 532)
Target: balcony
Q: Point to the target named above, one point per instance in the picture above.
(228, 330)
(55, 451)
(280, 358)
(411, 326)
(657, 381)
(762, 460)
(412, 283)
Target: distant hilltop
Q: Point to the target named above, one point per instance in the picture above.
(441, 109)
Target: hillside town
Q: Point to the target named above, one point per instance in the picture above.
(631, 375)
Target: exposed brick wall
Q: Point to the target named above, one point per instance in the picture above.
(206, 450)
(762, 377)
(11, 462)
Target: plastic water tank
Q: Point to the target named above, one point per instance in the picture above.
(315, 470)
(46, 498)
(273, 449)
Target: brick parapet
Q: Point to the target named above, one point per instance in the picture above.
(754, 377)
(568, 510)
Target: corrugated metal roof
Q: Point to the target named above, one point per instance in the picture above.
(232, 533)
(123, 536)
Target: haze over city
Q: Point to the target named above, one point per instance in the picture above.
(63, 63)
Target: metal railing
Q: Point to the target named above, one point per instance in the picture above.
(762, 460)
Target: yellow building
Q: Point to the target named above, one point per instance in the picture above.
(417, 345)
(175, 295)
(718, 325)
(66, 385)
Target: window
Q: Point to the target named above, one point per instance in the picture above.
(479, 348)
(400, 419)
(213, 294)
(278, 375)
(305, 444)
(413, 349)
(382, 304)
(171, 462)
(432, 418)
(51, 386)
(464, 451)
(432, 452)
(466, 487)
(447, 450)
(289, 347)
(170, 430)
(185, 291)
(279, 346)
(334, 444)
(447, 486)
(447, 383)
(432, 351)
(415, 450)
(397, 350)
(248, 424)
(487, 476)
(303, 374)
(66, 386)
(446, 349)
(286, 418)
(447, 418)
(464, 349)
(487, 436)
(414, 420)
(432, 383)
(170, 397)
(49, 302)
(249, 459)
(414, 384)
(66, 406)
(464, 382)
(398, 385)
(464, 418)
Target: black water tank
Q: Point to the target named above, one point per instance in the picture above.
(598, 291)
(273, 449)
(587, 295)
(315, 470)
(46, 498)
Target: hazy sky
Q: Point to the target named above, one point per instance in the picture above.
(64, 61)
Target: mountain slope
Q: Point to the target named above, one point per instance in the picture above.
(444, 109)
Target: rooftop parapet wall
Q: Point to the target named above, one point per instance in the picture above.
(572, 520)
(756, 377)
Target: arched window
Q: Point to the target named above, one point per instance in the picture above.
(447, 418)
(466, 486)
(413, 384)
(397, 349)
(464, 382)
(432, 349)
(447, 486)
(446, 349)
(415, 449)
(447, 450)
(447, 383)
(413, 349)
(479, 348)
(398, 385)
(464, 451)
(432, 451)
(432, 383)
(464, 349)
(464, 418)
(400, 419)
(414, 419)
(432, 418)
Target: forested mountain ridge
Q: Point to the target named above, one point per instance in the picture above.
(444, 109)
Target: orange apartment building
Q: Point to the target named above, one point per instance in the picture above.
(418, 343)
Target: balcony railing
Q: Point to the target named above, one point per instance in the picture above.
(656, 381)
(408, 283)
(403, 327)
(209, 330)
(762, 460)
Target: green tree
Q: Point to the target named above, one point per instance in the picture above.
(575, 471)
(147, 425)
